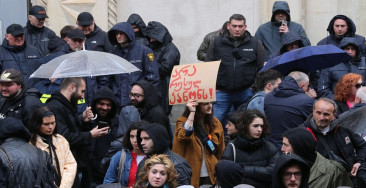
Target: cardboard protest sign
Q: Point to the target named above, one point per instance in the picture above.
(193, 81)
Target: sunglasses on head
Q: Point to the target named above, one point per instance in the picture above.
(358, 85)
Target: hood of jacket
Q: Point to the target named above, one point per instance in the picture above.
(152, 96)
(135, 19)
(229, 173)
(280, 5)
(158, 134)
(303, 143)
(105, 93)
(12, 127)
(285, 160)
(351, 26)
(350, 41)
(124, 27)
(288, 87)
(289, 38)
(159, 32)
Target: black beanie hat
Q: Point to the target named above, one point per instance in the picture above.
(303, 143)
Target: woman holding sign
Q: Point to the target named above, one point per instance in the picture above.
(199, 138)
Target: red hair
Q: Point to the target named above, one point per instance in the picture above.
(344, 86)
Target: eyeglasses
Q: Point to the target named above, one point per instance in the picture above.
(135, 95)
(288, 175)
(358, 85)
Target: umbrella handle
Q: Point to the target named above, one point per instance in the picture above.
(95, 117)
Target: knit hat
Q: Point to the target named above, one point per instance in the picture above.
(303, 143)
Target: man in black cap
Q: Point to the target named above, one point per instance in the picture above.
(18, 101)
(36, 33)
(323, 172)
(15, 53)
(96, 38)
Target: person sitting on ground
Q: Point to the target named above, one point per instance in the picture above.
(158, 171)
(42, 127)
(251, 149)
(128, 159)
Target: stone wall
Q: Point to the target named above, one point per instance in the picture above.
(190, 20)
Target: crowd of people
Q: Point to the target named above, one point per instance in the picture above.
(265, 129)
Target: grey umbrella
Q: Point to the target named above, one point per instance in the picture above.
(84, 63)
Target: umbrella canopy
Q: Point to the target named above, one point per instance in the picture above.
(84, 63)
(310, 59)
(354, 120)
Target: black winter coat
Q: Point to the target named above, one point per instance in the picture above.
(335, 40)
(257, 157)
(21, 106)
(339, 141)
(26, 59)
(100, 145)
(240, 61)
(166, 54)
(135, 19)
(98, 41)
(70, 127)
(151, 111)
(286, 107)
(330, 76)
(39, 37)
(139, 55)
(24, 158)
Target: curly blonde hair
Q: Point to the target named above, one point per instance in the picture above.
(143, 178)
(343, 88)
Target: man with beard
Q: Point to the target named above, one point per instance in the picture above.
(18, 101)
(75, 129)
(146, 98)
(36, 33)
(96, 38)
(122, 36)
(105, 107)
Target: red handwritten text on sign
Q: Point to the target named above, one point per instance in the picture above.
(186, 84)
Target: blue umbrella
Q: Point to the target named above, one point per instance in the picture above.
(309, 59)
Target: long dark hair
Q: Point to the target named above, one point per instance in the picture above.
(247, 118)
(126, 139)
(35, 123)
(201, 119)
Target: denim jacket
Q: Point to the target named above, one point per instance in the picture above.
(112, 173)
